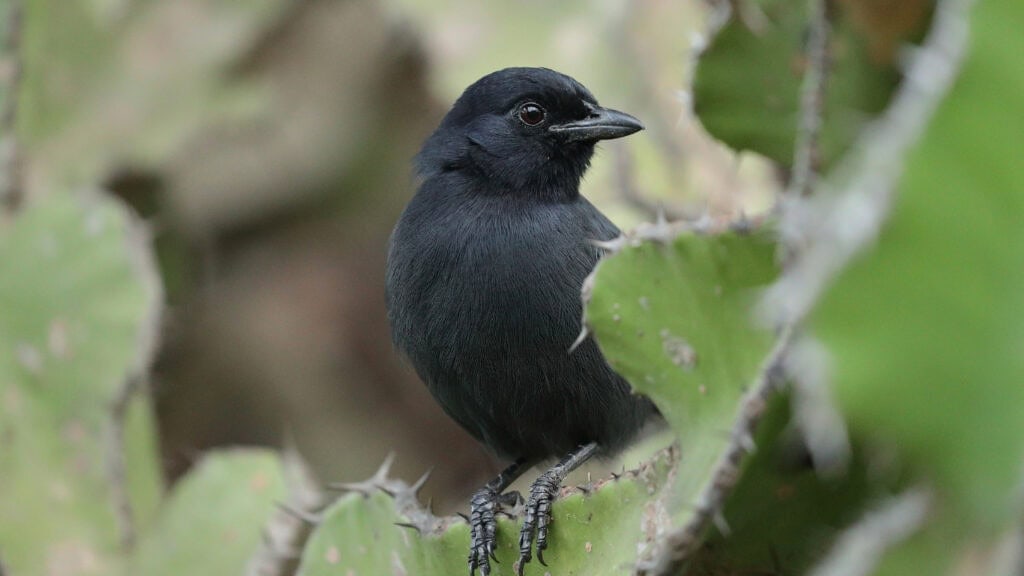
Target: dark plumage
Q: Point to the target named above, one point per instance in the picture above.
(484, 275)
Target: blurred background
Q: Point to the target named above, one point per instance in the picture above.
(268, 145)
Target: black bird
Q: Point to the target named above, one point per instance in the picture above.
(484, 273)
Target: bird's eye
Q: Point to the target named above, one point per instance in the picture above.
(531, 114)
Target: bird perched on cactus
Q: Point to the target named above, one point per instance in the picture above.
(484, 273)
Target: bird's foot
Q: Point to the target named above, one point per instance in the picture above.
(483, 507)
(537, 517)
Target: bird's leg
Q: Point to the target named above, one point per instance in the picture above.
(538, 508)
(482, 508)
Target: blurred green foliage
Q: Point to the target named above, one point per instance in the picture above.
(232, 126)
(932, 366)
(747, 86)
(938, 301)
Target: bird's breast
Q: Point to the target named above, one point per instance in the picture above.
(489, 277)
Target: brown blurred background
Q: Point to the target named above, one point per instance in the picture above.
(269, 142)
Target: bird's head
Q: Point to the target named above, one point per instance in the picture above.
(527, 131)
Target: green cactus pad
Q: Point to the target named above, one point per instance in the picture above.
(595, 532)
(79, 300)
(674, 317)
(212, 521)
(748, 80)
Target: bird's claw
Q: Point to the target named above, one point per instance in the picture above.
(483, 507)
(482, 527)
(537, 518)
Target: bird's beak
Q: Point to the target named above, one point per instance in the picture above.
(600, 124)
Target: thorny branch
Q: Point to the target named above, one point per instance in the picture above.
(10, 82)
(848, 214)
(807, 153)
(849, 208)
